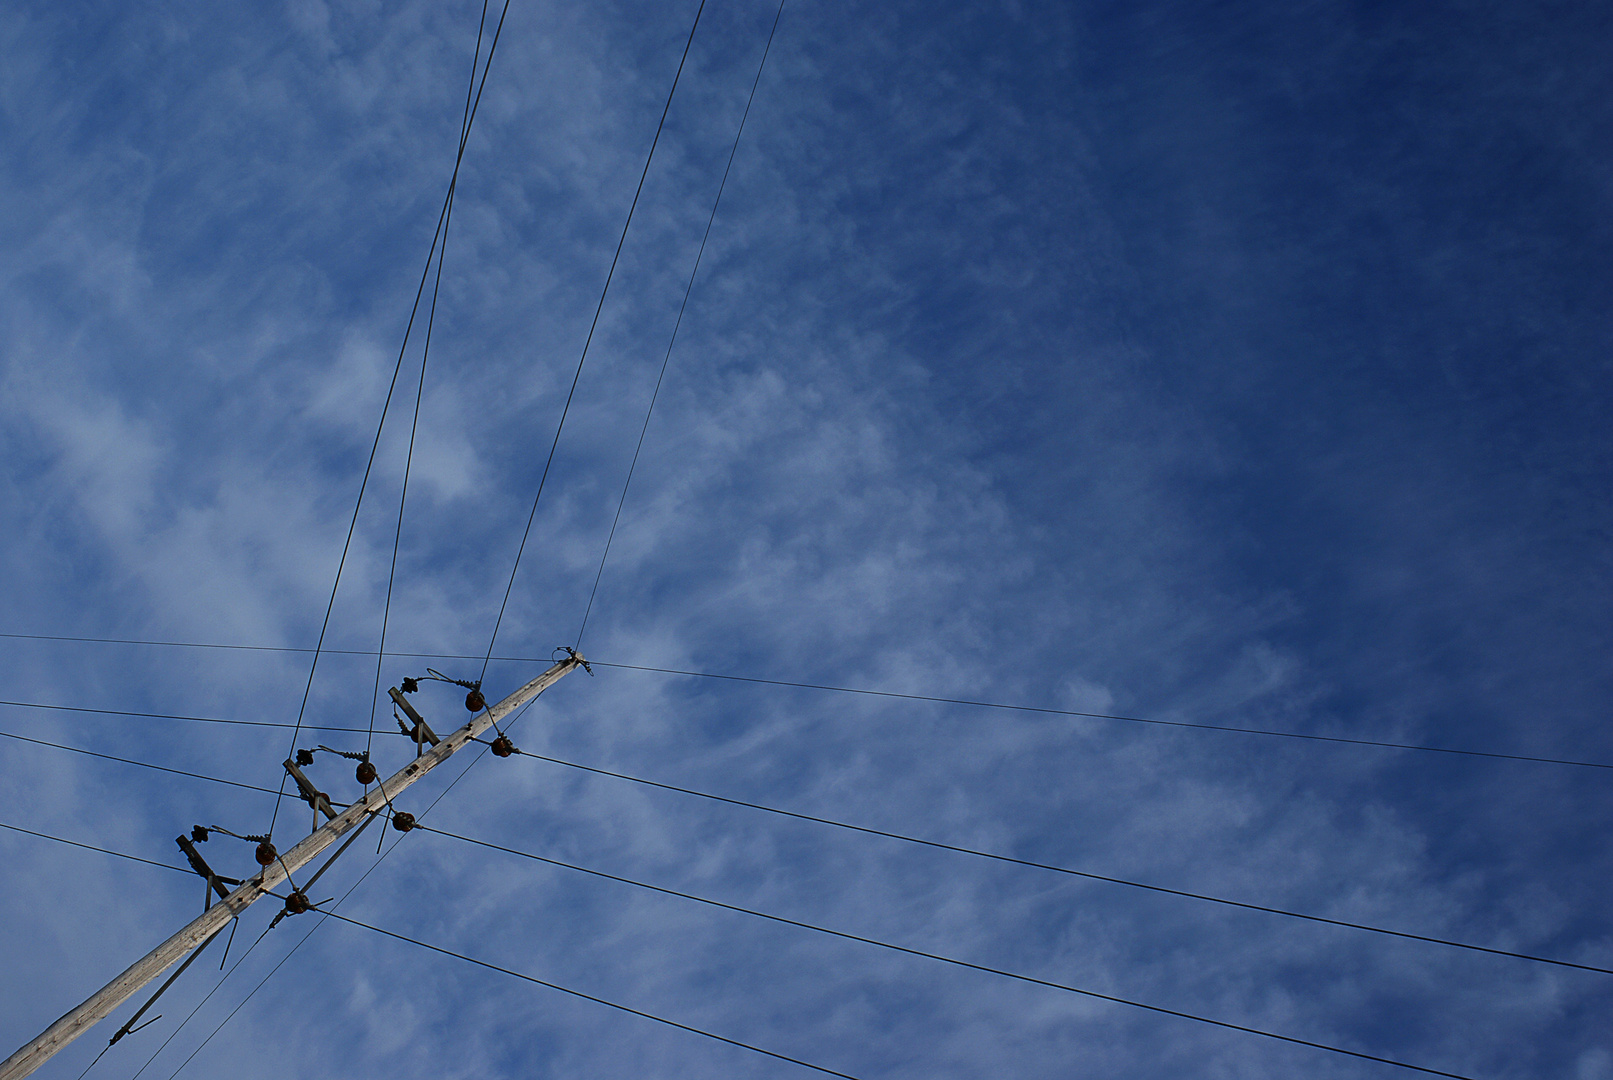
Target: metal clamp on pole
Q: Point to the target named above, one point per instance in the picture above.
(421, 733)
(276, 868)
(310, 794)
(199, 864)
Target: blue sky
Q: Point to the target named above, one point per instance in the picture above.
(1241, 364)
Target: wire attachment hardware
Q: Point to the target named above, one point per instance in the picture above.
(215, 883)
(265, 853)
(474, 701)
(421, 733)
(310, 794)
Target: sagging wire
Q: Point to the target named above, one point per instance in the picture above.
(475, 701)
(298, 903)
(265, 853)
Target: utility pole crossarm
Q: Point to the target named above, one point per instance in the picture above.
(154, 963)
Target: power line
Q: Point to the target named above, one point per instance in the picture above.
(231, 1014)
(420, 387)
(289, 952)
(1376, 743)
(131, 761)
(442, 219)
(1205, 897)
(46, 836)
(205, 999)
(948, 959)
(1107, 716)
(603, 1001)
(611, 273)
(92, 847)
(324, 911)
(1067, 870)
(687, 289)
(172, 716)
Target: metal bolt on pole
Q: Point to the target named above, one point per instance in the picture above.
(154, 963)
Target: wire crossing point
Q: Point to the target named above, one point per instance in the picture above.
(79, 1020)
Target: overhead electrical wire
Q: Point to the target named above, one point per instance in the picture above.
(92, 847)
(259, 940)
(198, 1007)
(172, 716)
(589, 340)
(439, 251)
(425, 355)
(434, 948)
(939, 845)
(602, 1001)
(441, 231)
(949, 959)
(808, 926)
(321, 910)
(1380, 744)
(687, 289)
(1044, 710)
(1067, 870)
(131, 761)
(381, 652)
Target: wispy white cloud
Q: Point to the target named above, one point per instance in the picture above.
(909, 439)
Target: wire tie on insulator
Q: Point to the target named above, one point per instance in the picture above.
(350, 755)
(433, 673)
(250, 838)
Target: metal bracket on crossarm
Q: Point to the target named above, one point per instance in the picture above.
(310, 794)
(215, 883)
(421, 733)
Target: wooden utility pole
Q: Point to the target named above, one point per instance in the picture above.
(154, 963)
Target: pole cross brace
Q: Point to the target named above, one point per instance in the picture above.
(310, 794)
(199, 864)
(151, 966)
(421, 733)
